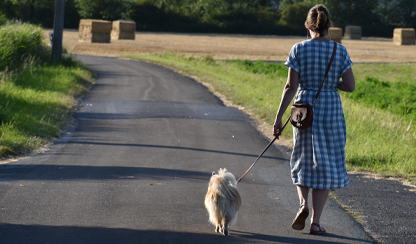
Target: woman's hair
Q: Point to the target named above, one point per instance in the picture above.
(318, 19)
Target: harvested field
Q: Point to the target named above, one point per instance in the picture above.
(272, 48)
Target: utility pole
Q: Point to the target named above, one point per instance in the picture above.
(58, 30)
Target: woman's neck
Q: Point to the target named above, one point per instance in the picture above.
(316, 37)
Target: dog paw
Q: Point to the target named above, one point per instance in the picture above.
(217, 229)
(225, 233)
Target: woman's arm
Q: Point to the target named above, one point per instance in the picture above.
(288, 93)
(347, 83)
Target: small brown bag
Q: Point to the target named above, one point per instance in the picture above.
(301, 114)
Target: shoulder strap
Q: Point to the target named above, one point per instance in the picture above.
(326, 73)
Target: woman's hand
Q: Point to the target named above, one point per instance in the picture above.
(277, 127)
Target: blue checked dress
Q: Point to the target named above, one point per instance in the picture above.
(318, 157)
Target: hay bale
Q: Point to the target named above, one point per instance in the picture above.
(353, 32)
(93, 30)
(123, 30)
(335, 34)
(404, 36)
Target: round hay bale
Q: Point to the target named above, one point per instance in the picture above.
(404, 36)
(353, 32)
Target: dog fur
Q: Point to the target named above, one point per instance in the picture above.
(222, 201)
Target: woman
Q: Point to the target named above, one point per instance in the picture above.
(318, 157)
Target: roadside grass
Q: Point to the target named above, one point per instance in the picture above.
(36, 104)
(396, 97)
(378, 141)
(393, 94)
(386, 72)
(36, 95)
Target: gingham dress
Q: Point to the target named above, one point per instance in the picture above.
(318, 157)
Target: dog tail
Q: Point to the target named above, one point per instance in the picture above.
(224, 174)
(228, 184)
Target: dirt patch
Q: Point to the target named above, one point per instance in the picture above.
(221, 47)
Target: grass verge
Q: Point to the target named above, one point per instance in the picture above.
(377, 140)
(36, 103)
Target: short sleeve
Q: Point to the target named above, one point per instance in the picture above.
(292, 61)
(346, 63)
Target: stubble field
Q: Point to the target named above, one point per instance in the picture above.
(221, 47)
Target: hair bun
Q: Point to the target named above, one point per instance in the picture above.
(321, 20)
(318, 19)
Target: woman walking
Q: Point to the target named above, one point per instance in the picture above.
(318, 157)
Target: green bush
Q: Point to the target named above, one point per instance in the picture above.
(19, 43)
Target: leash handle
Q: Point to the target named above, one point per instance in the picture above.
(280, 132)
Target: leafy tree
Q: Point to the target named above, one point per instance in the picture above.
(294, 14)
(103, 9)
(39, 11)
(401, 12)
(285, 3)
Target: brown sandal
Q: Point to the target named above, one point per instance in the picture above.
(317, 232)
(299, 221)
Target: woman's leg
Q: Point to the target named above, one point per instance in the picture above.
(303, 193)
(303, 213)
(319, 198)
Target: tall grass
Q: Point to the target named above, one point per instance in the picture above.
(20, 42)
(377, 140)
(36, 95)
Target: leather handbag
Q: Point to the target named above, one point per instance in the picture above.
(301, 114)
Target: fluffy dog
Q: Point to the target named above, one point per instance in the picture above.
(222, 201)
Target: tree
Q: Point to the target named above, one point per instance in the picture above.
(294, 14)
(398, 12)
(103, 9)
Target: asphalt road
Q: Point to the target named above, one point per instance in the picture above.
(135, 165)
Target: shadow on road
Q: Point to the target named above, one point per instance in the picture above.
(12, 172)
(90, 142)
(35, 234)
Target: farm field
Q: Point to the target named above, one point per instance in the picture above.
(384, 100)
(221, 47)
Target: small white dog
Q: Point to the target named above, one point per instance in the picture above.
(222, 201)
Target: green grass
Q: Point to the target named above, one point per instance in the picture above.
(395, 97)
(36, 104)
(377, 140)
(386, 72)
(36, 95)
(20, 42)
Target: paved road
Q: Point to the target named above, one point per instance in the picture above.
(134, 168)
(386, 207)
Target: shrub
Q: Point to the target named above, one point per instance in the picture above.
(20, 42)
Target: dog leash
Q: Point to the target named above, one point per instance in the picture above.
(278, 134)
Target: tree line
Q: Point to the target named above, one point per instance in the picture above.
(272, 17)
